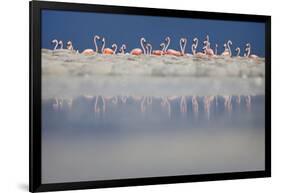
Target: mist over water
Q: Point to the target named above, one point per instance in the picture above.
(113, 117)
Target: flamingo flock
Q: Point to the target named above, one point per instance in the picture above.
(146, 48)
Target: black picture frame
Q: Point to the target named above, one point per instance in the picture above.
(35, 184)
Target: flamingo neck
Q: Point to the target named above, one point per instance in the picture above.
(228, 46)
(114, 46)
(249, 51)
(142, 46)
(56, 44)
(95, 43)
(61, 44)
(103, 45)
(238, 51)
(193, 49)
(183, 46)
(168, 43)
(196, 43)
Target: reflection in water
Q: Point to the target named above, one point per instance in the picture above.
(109, 137)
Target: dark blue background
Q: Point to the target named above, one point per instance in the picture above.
(80, 27)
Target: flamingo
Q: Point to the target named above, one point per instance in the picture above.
(55, 41)
(69, 45)
(227, 49)
(108, 50)
(61, 44)
(193, 48)
(171, 51)
(209, 51)
(238, 52)
(138, 51)
(91, 51)
(123, 49)
(248, 52)
(159, 52)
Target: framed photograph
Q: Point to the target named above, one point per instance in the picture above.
(126, 96)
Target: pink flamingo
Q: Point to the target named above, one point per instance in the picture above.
(183, 43)
(108, 51)
(209, 51)
(159, 52)
(194, 47)
(91, 51)
(248, 52)
(227, 49)
(171, 51)
(138, 51)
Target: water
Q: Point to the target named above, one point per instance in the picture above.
(121, 116)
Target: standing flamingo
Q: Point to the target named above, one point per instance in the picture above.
(91, 51)
(171, 51)
(227, 49)
(194, 47)
(209, 51)
(248, 52)
(138, 51)
(55, 41)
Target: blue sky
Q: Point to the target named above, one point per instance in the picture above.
(80, 27)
